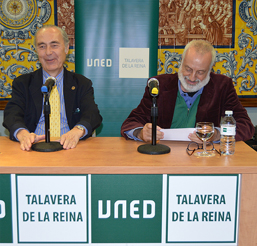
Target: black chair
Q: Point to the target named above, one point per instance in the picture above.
(253, 141)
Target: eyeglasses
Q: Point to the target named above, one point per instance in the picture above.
(193, 146)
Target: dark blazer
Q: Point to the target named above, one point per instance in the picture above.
(25, 107)
(218, 96)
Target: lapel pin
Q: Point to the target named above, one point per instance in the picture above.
(73, 88)
(77, 110)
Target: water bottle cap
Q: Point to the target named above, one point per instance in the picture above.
(228, 112)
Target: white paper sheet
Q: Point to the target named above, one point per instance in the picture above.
(180, 134)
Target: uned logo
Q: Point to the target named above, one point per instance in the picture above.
(99, 63)
(2, 209)
(148, 205)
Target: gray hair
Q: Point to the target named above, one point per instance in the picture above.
(63, 33)
(202, 47)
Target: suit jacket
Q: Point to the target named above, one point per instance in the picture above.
(25, 107)
(218, 96)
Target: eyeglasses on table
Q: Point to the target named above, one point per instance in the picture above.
(193, 146)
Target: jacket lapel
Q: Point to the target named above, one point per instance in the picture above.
(168, 101)
(205, 102)
(70, 87)
(36, 83)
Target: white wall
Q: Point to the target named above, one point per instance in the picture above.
(252, 112)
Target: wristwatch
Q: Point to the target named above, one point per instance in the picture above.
(80, 127)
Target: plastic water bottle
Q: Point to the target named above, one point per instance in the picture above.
(228, 132)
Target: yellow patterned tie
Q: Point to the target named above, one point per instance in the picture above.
(55, 126)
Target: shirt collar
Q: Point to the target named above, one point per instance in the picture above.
(59, 77)
(188, 99)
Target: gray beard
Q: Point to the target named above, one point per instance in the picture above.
(192, 88)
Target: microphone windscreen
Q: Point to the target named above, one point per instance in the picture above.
(49, 83)
(153, 84)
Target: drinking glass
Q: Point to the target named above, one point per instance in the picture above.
(204, 130)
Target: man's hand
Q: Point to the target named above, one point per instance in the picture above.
(26, 139)
(215, 137)
(70, 139)
(145, 134)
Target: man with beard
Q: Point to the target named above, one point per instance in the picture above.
(193, 95)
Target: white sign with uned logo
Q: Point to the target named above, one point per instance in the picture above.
(202, 209)
(52, 208)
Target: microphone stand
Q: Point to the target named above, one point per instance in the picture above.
(154, 149)
(47, 146)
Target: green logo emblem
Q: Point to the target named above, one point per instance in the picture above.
(5, 209)
(126, 208)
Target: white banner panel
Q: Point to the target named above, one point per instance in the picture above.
(202, 209)
(51, 207)
(134, 63)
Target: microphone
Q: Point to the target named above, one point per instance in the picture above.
(47, 87)
(153, 85)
